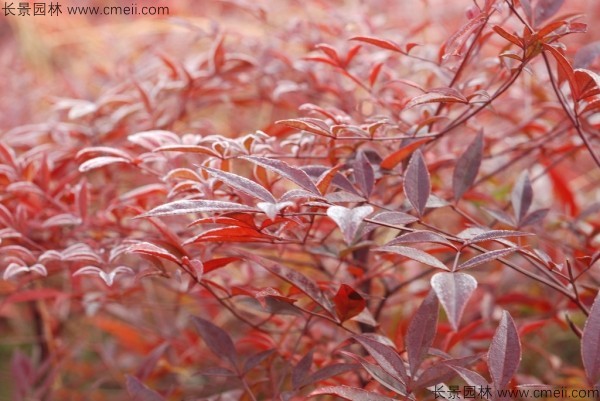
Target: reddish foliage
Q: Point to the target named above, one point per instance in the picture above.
(297, 201)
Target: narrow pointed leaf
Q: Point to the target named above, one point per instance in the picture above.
(399, 155)
(293, 174)
(217, 339)
(350, 393)
(414, 254)
(385, 356)
(300, 371)
(196, 206)
(486, 257)
(297, 279)
(504, 354)
(242, 184)
(590, 344)
(420, 237)
(453, 291)
(364, 176)
(496, 234)
(138, 391)
(522, 196)
(421, 331)
(417, 185)
(467, 167)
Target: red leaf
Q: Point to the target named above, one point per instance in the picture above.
(330, 52)
(399, 155)
(297, 279)
(293, 174)
(350, 393)
(196, 206)
(138, 391)
(485, 258)
(217, 339)
(382, 43)
(453, 290)
(590, 344)
(417, 185)
(102, 161)
(508, 36)
(187, 149)
(504, 354)
(230, 234)
(414, 254)
(433, 97)
(147, 248)
(308, 124)
(565, 70)
(421, 331)
(467, 167)
(349, 220)
(375, 73)
(348, 302)
(522, 196)
(242, 184)
(455, 43)
(218, 263)
(588, 83)
(385, 356)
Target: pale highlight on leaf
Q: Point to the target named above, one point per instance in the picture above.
(454, 291)
(349, 220)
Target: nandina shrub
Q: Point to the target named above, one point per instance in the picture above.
(312, 201)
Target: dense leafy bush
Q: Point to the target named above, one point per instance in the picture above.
(303, 200)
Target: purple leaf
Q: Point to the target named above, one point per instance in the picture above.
(330, 371)
(293, 174)
(467, 167)
(394, 218)
(147, 248)
(414, 254)
(256, 359)
(381, 376)
(586, 55)
(420, 237)
(421, 331)
(501, 216)
(385, 356)
(138, 391)
(486, 257)
(350, 393)
(545, 9)
(349, 220)
(217, 339)
(297, 279)
(590, 344)
(196, 206)
(504, 354)
(522, 196)
(453, 290)
(364, 176)
(149, 362)
(242, 184)
(300, 371)
(496, 234)
(534, 217)
(443, 371)
(417, 185)
(472, 378)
